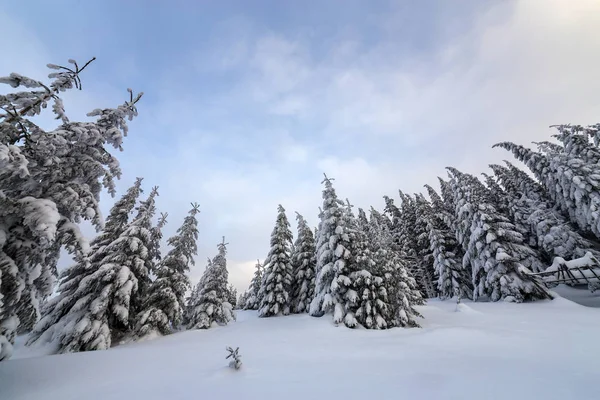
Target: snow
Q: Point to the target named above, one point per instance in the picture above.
(543, 350)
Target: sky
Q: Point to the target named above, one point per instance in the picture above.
(247, 103)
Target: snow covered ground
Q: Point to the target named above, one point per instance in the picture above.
(544, 350)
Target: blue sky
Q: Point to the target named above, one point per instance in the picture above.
(247, 103)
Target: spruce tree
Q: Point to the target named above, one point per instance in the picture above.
(393, 292)
(277, 289)
(50, 181)
(453, 279)
(303, 263)
(211, 305)
(333, 256)
(232, 296)
(573, 184)
(493, 248)
(374, 309)
(423, 249)
(70, 287)
(241, 301)
(532, 207)
(108, 298)
(164, 307)
(251, 301)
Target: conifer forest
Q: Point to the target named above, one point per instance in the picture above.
(483, 285)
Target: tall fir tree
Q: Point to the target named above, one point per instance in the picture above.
(164, 307)
(333, 255)
(108, 298)
(493, 248)
(531, 205)
(251, 300)
(69, 290)
(396, 293)
(278, 282)
(211, 305)
(303, 263)
(573, 184)
(453, 279)
(232, 296)
(423, 249)
(50, 181)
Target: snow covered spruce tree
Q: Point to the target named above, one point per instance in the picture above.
(397, 292)
(211, 305)
(241, 301)
(427, 272)
(49, 181)
(573, 184)
(493, 248)
(277, 290)
(251, 301)
(303, 263)
(404, 221)
(453, 278)
(191, 300)
(107, 298)
(116, 222)
(163, 308)
(367, 300)
(337, 259)
(531, 206)
(232, 296)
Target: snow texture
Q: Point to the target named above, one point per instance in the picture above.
(542, 350)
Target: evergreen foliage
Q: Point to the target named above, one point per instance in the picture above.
(278, 278)
(493, 248)
(164, 306)
(251, 301)
(303, 263)
(211, 305)
(49, 181)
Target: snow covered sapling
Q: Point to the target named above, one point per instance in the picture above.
(236, 358)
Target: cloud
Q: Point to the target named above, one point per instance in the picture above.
(378, 123)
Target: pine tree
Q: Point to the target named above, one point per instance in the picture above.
(252, 299)
(50, 181)
(531, 206)
(453, 279)
(424, 252)
(69, 289)
(278, 269)
(163, 309)
(303, 262)
(333, 257)
(241, 301)
(108, 298)
(410, 240)
(232, 296)
(573, 184)
(211, 305)
(191, 300)
(374, 309)
(393, 293)
(493, 248)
